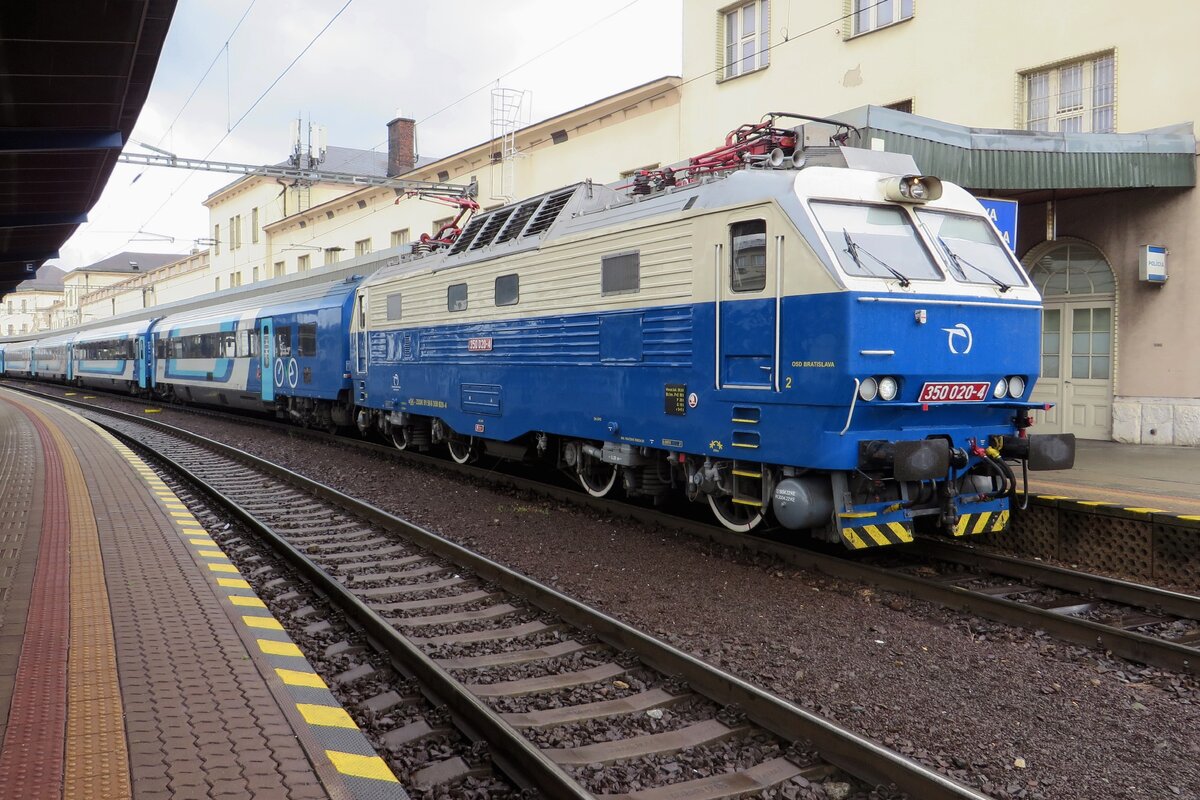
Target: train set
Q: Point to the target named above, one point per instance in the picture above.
(816, 338)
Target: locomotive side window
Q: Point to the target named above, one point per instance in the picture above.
(283, 341)
(308, 339)
(508, 290)
(620, 274)
(395, 305)
(875, 242)
(456, 297)
(748, 267)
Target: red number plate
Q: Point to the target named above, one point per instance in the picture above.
(971, 392)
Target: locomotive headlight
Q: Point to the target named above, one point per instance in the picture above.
(869, 389)
(888, 387)
(911, 188)
(1016, 386)
(1001, 390)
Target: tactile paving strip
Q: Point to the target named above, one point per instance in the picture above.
(343, 748)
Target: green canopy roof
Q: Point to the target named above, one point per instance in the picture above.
(994, 158)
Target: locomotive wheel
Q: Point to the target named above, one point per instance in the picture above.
(737, 517)
(462, 451)
(597, 478)
(401, 436)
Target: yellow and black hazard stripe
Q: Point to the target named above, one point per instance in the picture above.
(985, 522)
(881, 535)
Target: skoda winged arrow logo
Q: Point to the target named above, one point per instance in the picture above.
(959, 330)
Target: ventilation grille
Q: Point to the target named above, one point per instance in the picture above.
(464, 239)
(549, 212)
(517, 222)
(491, 227)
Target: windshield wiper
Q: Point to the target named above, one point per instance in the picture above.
(854, 249)
(959, 262)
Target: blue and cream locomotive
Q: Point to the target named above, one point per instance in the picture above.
(817, 335)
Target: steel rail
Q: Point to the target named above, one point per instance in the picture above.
(1126, 644)
(857, 755)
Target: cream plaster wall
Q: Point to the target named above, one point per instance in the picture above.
(957, 61)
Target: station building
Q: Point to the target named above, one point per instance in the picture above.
(1072, 109)
(27, 307)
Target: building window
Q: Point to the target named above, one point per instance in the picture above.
(620, 274)
(235, 280)
(747, 38)
(400, 237)
(456, 297)
(902, 105)
(254, 226)
(303, 263)
(254, 276)
(1074, 97)
(394, 306)
(438, 224)
(362, 247)
(232, 239)
(279, 269)
(508, 290)
(332, 254)
(872, 14)
(217, 239)
(217, 284)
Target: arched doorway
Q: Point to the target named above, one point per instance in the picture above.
(1078, 325)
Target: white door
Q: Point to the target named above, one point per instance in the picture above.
(1077, 340)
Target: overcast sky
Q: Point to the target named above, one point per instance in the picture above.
(379, 57)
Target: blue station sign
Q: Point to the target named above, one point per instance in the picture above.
(1003, 214)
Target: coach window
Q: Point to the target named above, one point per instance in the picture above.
(308, 339)
(395, 305)
(456, 297)
(283, 341)
(748, 268)
(508, 290)
(620, 274)
(227, 343)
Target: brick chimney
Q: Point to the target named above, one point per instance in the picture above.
(401, 153)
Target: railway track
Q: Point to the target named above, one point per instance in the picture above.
(1137, 622)
(563, 698)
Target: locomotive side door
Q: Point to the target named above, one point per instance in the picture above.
(360, 335)
(267, 360)
(747, 310)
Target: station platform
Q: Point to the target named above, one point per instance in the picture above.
(135, 661)
(1144, 476)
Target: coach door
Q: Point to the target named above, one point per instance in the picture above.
(267, 360)
(747, 309)
(142, 362)
(1078, 333)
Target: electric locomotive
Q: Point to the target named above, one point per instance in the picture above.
(819, 337)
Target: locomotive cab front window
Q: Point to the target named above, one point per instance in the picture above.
(748, 248)
(875, 242)
(973, 251)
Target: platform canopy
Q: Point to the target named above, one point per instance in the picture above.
(74, 75)
(1032, 163)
